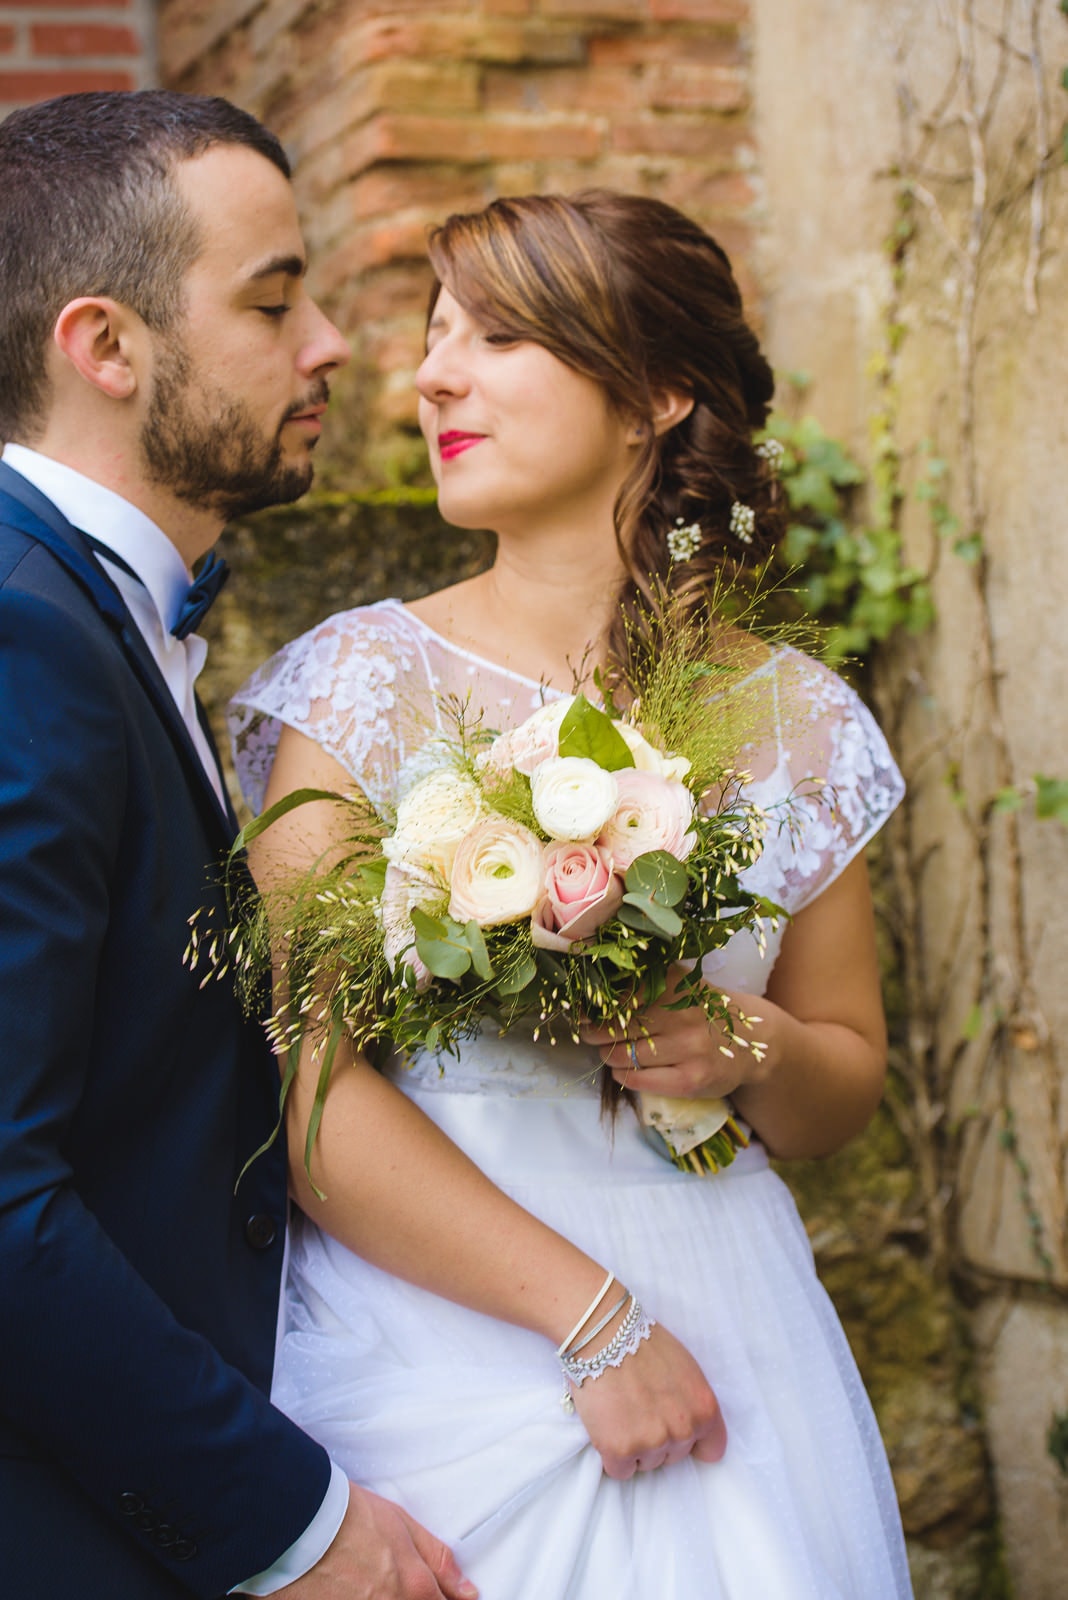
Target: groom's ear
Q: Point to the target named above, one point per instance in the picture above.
(102, 340)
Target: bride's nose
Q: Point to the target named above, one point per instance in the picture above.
(440, 375)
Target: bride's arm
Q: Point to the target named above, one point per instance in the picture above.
(400, 1194)
(822, 1065)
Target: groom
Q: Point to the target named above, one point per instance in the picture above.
(163, 370)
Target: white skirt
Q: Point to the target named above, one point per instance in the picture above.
(458, 1418)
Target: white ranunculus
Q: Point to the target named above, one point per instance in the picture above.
(647, 758)
(432, 819)
(497, 873)
(573, 797)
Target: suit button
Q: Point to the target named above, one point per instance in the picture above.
(130, 1504)
(261, 1231)
(182, 1549)
(165, 1535)
(147, 1521)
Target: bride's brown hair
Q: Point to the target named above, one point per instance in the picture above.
(636, 296)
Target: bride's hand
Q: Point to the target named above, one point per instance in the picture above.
(682, 1053)
(654, 1408)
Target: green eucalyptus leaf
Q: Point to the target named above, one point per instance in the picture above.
(586, 731)
(517, 978)
(476, 944)
(437, 946)
(657, 875)
(641, 911)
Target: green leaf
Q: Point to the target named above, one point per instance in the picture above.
(519, 976)
(476, 944)
(656, 875)
(969, 548)
(372, 875)
(1008, 799)
(281, 808)
(1051, 799)
(438, 948)
(641, 911)
(585, 731)
(973, 1023)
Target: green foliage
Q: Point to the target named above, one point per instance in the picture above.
(585, 731)
(851, 574)
(1057, 1439)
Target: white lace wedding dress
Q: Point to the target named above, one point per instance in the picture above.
(457, 1416)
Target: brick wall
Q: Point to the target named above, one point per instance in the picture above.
(396, 114)
(55, 47)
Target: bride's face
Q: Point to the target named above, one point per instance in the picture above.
(518, 441)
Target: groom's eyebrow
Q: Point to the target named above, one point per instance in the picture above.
(284, 266)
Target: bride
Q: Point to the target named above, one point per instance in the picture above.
(590, 393)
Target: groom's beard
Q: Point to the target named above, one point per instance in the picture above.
(205, 447)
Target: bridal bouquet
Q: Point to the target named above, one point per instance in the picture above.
(566, 871)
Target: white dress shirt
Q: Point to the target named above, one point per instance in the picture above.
(154, 599)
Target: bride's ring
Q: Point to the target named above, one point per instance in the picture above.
(632, 1051)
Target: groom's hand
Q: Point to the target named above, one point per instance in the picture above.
(381, 1553)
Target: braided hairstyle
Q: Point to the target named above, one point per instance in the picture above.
(633, 294)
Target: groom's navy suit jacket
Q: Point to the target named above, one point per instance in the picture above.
(139, 1456)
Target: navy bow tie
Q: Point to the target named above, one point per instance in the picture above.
(201, 596)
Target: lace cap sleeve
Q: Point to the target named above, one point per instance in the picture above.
(833, 786)
(351, 684)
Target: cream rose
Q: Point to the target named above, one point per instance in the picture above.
(400, 894)
(431, 820)
(534, 741)
(581, 892)
(647, 758)
(573, 797)
(653, 813)
(497, 873)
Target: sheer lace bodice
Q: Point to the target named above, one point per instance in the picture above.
(368, 686)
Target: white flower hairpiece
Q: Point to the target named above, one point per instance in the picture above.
(684, 540)
(743, 522)
(773, 451)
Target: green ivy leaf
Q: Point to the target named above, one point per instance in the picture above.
(1051, 799)
(585, 731)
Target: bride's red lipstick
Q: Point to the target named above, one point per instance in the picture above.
(455, 443)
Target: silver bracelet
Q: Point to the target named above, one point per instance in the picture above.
(628, 1337)
(587, 1314)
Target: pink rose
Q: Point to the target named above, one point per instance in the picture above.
(581, 892)
(654, 813)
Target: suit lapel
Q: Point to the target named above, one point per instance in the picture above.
(23, 507)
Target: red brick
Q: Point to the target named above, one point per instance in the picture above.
(606, 90)
(682, 87)
(383, 190)
(693, 138)
(603, 10)
(633, 48)
(464, 38)
(705, 11)
(24, 87)
(469, 139)
(7, 39)
(507, 8)
(83, 39)
(64, 5)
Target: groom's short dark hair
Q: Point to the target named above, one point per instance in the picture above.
(87, 206)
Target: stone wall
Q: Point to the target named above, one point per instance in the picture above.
(915, 261)
(52, 47)
(397, 114)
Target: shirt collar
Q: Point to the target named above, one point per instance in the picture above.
(114, 522)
